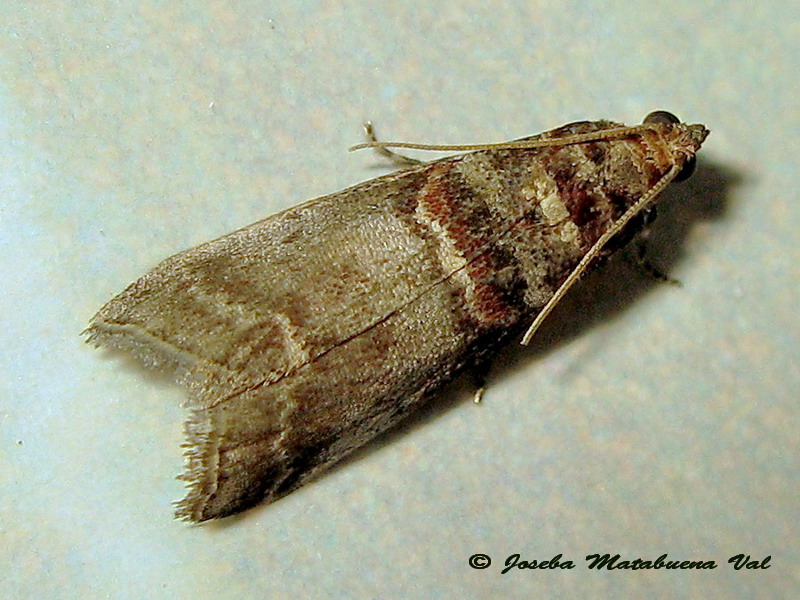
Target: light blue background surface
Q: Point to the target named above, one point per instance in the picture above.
(646, 419)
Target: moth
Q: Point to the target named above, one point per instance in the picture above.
(305, 335)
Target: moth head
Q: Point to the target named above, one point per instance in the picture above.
(684, 139)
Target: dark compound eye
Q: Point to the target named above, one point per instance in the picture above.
(661, 117)
(687, 170)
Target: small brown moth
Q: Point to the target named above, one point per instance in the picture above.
(305, 335)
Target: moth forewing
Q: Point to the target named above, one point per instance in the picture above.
(305, 335)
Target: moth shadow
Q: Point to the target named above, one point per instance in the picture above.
(601, 295)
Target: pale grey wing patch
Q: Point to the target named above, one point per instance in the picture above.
(188, 369)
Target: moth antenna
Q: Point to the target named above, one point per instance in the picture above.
(594, 251)
(578, 138)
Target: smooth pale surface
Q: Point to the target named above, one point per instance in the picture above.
(646, 419)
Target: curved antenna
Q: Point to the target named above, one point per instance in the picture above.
(578, 138)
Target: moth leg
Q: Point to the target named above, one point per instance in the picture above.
(477, 397)
(397, 159)
(639, 255)
(480, 372)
